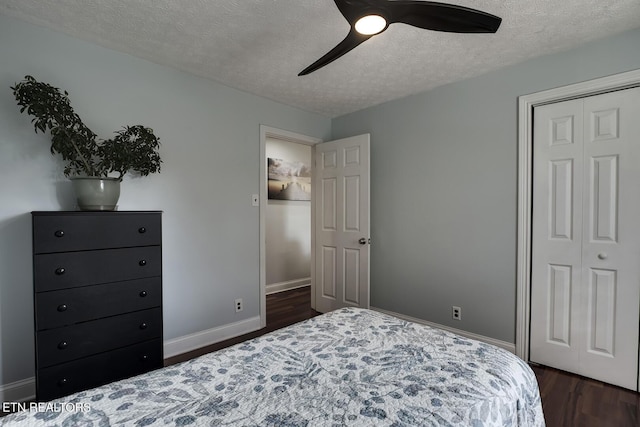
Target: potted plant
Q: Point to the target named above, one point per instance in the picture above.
(91, 164)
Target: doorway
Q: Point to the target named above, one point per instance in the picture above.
(340, 220)
(288, 215)
(278, 143)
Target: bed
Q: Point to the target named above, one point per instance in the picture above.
(347, 367)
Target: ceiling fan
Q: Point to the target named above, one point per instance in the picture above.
(370, 17)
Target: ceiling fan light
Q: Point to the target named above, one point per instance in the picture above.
(370, 24)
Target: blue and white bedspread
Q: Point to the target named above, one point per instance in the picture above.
(349, 367)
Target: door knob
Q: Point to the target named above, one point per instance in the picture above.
(364, 241)
(602, 255)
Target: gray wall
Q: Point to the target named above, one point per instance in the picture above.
(444, 183)
(211, 148)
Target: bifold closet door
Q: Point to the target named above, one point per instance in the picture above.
(585, 284)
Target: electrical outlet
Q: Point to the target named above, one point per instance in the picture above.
(238, 305)
(456, 313)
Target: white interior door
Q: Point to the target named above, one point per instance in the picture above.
(341, 187)
(585, 267)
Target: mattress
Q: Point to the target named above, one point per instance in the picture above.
(348, 367)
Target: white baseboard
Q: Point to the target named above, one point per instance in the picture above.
(19, 391)
(510, 347)
(288, 285)
(176, 346)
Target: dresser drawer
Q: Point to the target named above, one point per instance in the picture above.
(67, 343)
(97, 370)
(68, 306)
(72, 269)
(76, 231)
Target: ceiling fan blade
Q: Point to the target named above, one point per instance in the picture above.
(442, 17)
(352, 40)
(351, 9)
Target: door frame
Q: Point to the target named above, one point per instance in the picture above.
(526, 104)
(297, 138)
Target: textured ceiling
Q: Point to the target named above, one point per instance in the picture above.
(259, 46)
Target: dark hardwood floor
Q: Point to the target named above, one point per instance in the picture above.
(283, 309)
(568, 400)
(571, 400)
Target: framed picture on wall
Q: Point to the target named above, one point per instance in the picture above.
(288, 180)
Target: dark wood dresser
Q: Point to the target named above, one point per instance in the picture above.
(97, 280)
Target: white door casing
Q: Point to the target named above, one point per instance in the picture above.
(585, 275)
(342, 223)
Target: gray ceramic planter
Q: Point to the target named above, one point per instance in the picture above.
(96, 193)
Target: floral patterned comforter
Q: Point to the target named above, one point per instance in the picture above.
(348, 367)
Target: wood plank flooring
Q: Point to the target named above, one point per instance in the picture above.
(571, 400)
(283, 309)
(568, 400)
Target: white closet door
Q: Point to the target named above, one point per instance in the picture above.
(586, 237)
(557, 234)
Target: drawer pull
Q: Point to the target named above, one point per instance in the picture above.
(144, 358)
(62, 307)
(63, 345)
(60, 271)
(63, 382)
(143, 325)
(143, 294)
(142, 262)
(59, 233)
(142, 230)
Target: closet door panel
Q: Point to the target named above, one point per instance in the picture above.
(585, 277)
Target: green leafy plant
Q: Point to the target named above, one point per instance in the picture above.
(132, 149)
